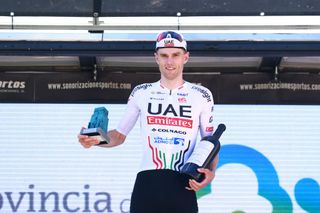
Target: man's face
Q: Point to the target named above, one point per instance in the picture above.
(171, 62)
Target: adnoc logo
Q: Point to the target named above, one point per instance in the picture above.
(173, 141)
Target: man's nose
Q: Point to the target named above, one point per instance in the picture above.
(169, 60)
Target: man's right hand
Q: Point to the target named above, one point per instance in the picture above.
(87, 141)
(116, 138)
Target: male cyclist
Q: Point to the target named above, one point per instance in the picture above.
(172, 112)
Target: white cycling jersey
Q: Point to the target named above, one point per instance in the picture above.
(170, 121)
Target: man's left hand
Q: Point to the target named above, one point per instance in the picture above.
(208, 177)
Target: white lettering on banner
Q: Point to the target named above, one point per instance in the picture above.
(89, 85)
(57, 201)
(13, 84)
(281, 86)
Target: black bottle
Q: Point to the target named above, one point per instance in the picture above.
(203, 154)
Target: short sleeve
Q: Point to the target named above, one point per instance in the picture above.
(206, 115)
(131, 114)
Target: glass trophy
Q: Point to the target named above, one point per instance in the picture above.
(98, 125)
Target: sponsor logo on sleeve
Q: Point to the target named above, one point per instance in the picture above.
(204, 92)
(211, 119)
(209, 129)
(139, 87)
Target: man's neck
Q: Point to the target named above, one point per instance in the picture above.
(172, 84)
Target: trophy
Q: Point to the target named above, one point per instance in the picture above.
(98, 125)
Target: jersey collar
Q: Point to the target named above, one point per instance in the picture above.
(184, 85)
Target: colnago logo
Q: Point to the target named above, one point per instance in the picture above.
(12, 84)
(170, 131)
(169, 121)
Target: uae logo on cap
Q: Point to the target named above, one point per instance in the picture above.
(168, 41)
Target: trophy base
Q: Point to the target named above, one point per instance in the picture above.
(96, 133)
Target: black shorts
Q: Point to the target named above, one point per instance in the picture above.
(162, 191)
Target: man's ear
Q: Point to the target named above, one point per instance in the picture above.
(187, 56)
(156, 57)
